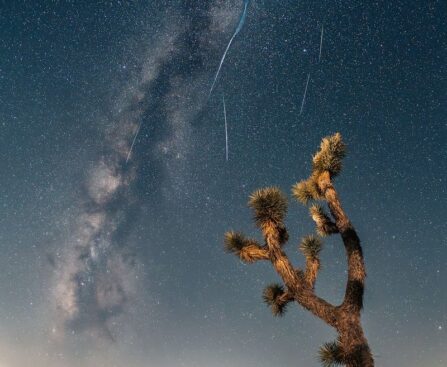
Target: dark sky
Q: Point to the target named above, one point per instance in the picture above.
(108, 263)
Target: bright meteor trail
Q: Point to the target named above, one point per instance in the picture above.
(239, 27)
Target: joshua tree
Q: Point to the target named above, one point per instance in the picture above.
(270, 206)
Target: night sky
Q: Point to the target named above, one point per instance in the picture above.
(108, 263)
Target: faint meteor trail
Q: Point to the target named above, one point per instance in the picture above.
(321, 42)
(133, 142)
(226, 128)
(304, 96)
(239, 27)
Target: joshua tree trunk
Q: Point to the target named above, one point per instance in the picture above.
(353, 343)
(270, 205)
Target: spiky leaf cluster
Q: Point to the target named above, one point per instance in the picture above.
(272, 296)
(269, 205)
(306, 190)
(330, 354)
(330, 156)
(317, 210)
(235, 241)
(311, 246)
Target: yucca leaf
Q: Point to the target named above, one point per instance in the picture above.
(330, 156)
(234, 241)
(268, 204)
(272, 297)
(330, 354)
(311, 246)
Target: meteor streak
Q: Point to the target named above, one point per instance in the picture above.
(226, 128)
(321, 42)
(239, 27)
(133, 142)
(305, 92)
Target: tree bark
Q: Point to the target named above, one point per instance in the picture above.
(353, 344)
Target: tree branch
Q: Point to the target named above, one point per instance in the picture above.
(356, 268)
(324, 224)
(253, 252)
(248, 250)
(311, 272)
(310, 247)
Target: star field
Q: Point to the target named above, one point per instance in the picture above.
(113, 263)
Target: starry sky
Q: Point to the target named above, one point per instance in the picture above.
(113, 263)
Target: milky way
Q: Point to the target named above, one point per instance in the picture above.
(95, 278)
